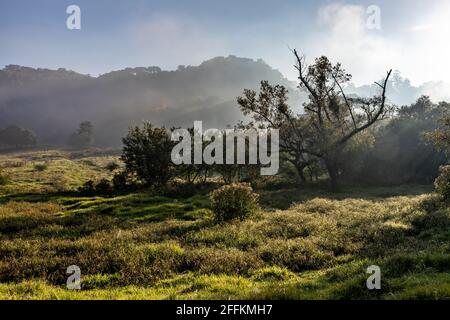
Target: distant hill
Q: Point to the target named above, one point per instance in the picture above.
(401, 92)
(53, 102)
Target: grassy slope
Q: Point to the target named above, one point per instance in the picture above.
(139, 246)
(66, 170)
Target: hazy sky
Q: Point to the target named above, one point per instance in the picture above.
(414, 35)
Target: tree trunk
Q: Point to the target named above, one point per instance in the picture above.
(333, 173)
(301, 174)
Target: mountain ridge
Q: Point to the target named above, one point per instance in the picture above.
(53, 102)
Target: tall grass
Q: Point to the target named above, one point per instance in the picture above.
(142, 241)
(303, 244)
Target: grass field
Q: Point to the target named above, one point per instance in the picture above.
(303, 244)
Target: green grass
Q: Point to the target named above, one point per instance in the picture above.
(62, 170)
(303, 244)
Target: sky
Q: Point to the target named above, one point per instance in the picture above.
(413, 36)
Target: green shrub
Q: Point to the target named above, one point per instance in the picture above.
(103, 187)
(88, 188)
(147, 154)
(120, 182)
(40, 167)
(442, 183)
(112, 166)
(234, 201)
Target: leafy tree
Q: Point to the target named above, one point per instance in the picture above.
(147, 154)
(192, 172)
(84, 136)
(331, 119)
(441, 136)
(235, 171)
(442, 182)
(15, 136)
(400, 153)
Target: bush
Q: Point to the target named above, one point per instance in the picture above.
(442, 183)
(234, 201)
(120, 182)
(40, 167)
(103, 187)
(89, 188)
(112, 166)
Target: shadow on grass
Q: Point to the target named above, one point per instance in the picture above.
(270, 198)
(35, 197)
(82, 216)
(284, 198)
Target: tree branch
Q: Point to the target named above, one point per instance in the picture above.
(346, 101)
(375, 118)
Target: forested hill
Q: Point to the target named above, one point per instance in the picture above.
(53, 102)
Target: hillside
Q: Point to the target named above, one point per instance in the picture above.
(53, 102)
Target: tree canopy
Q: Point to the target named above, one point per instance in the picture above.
(15, 136)
(330, 119)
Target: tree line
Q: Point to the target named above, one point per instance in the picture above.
(338, 137)
(15, 136)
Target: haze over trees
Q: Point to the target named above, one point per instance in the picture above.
(15, 136)
(338, 136)
(326, 129)
(53, 102)
(330, 121)
(83, 137)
